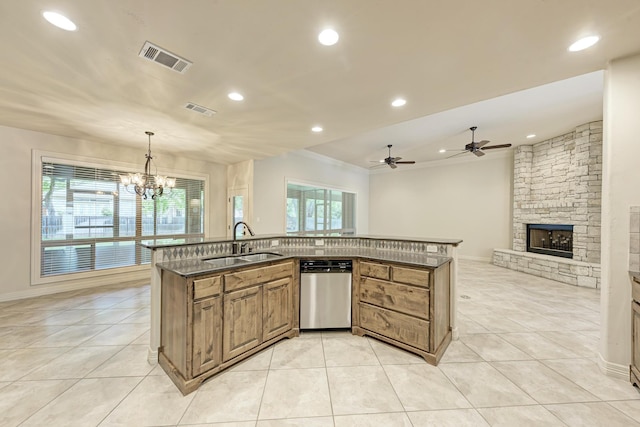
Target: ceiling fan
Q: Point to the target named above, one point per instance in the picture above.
(478, 148)
(394, 161)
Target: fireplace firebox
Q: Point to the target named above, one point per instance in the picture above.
(550, 239)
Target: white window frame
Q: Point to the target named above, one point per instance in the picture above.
(38, 158)
(320, 185)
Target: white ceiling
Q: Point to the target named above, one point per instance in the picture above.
(458, 63)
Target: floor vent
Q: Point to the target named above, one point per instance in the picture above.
(199, 109)
(164, 57)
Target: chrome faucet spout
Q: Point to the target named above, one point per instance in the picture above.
(235, 229)
(236, 247)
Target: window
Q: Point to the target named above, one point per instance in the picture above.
(314, 209)
(90, 222)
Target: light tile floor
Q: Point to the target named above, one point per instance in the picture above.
(526, 357)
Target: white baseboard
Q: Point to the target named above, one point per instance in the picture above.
(474, 258)
(134, 277)
(152, 356)
(614, 370)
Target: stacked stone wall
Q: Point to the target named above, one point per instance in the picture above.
(559, 181)
(564, 270)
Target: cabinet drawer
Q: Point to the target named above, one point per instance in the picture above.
(253, 276)
(411, 276)
(635, 289)
(378, 271)
(394, 296)
(397, 326)
(207, 287)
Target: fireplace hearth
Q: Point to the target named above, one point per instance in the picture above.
(550, 239)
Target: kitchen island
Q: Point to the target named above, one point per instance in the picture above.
(216, 310)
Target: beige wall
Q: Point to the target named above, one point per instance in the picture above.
(15, 215)
(620, 191)
(469, 199)
(269, 193)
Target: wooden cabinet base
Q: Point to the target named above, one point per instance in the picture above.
(187, 386)
(634, 376)
(431, 358)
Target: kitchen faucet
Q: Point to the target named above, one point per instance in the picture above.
(236, 247)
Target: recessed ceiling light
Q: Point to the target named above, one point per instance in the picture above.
(235, 96)
(328, 37)
(532, 135)
(59, 21)
(584, 43)
(399, 102)
(316, 129)
(442, 150)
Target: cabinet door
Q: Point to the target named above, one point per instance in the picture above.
(207, 335)
(242, 329)
(277, 308)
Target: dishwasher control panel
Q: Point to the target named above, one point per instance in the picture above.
(326, 266)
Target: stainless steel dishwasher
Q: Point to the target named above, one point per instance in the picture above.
(325, 294)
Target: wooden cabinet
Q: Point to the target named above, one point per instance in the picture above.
(258, 308)
(211, 322)
(242, 321)
(207, 329)
(277, 300)
(404, 305)
(191, 325)
(635, 338)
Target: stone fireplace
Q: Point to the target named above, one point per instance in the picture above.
(558, 182)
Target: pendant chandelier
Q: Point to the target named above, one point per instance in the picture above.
(147, 185)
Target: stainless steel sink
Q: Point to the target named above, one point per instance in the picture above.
(226, 261)
(242, 259)
(263, 256)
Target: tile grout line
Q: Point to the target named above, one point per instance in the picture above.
(326, 374)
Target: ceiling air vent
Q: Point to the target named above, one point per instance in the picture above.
(164, 57)
(199, 109)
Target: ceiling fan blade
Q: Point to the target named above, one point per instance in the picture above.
(481, 143)
(406, 162)
(457, 154)
(378, 166)
(497, 146)
(393, 165)
(478, 153)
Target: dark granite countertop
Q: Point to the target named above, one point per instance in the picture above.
(195, 267)
(168, 243)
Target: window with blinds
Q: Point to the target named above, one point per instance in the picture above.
(316, 209)
(91, 222)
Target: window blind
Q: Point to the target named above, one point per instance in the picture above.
(90, 221)
(312, 209)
